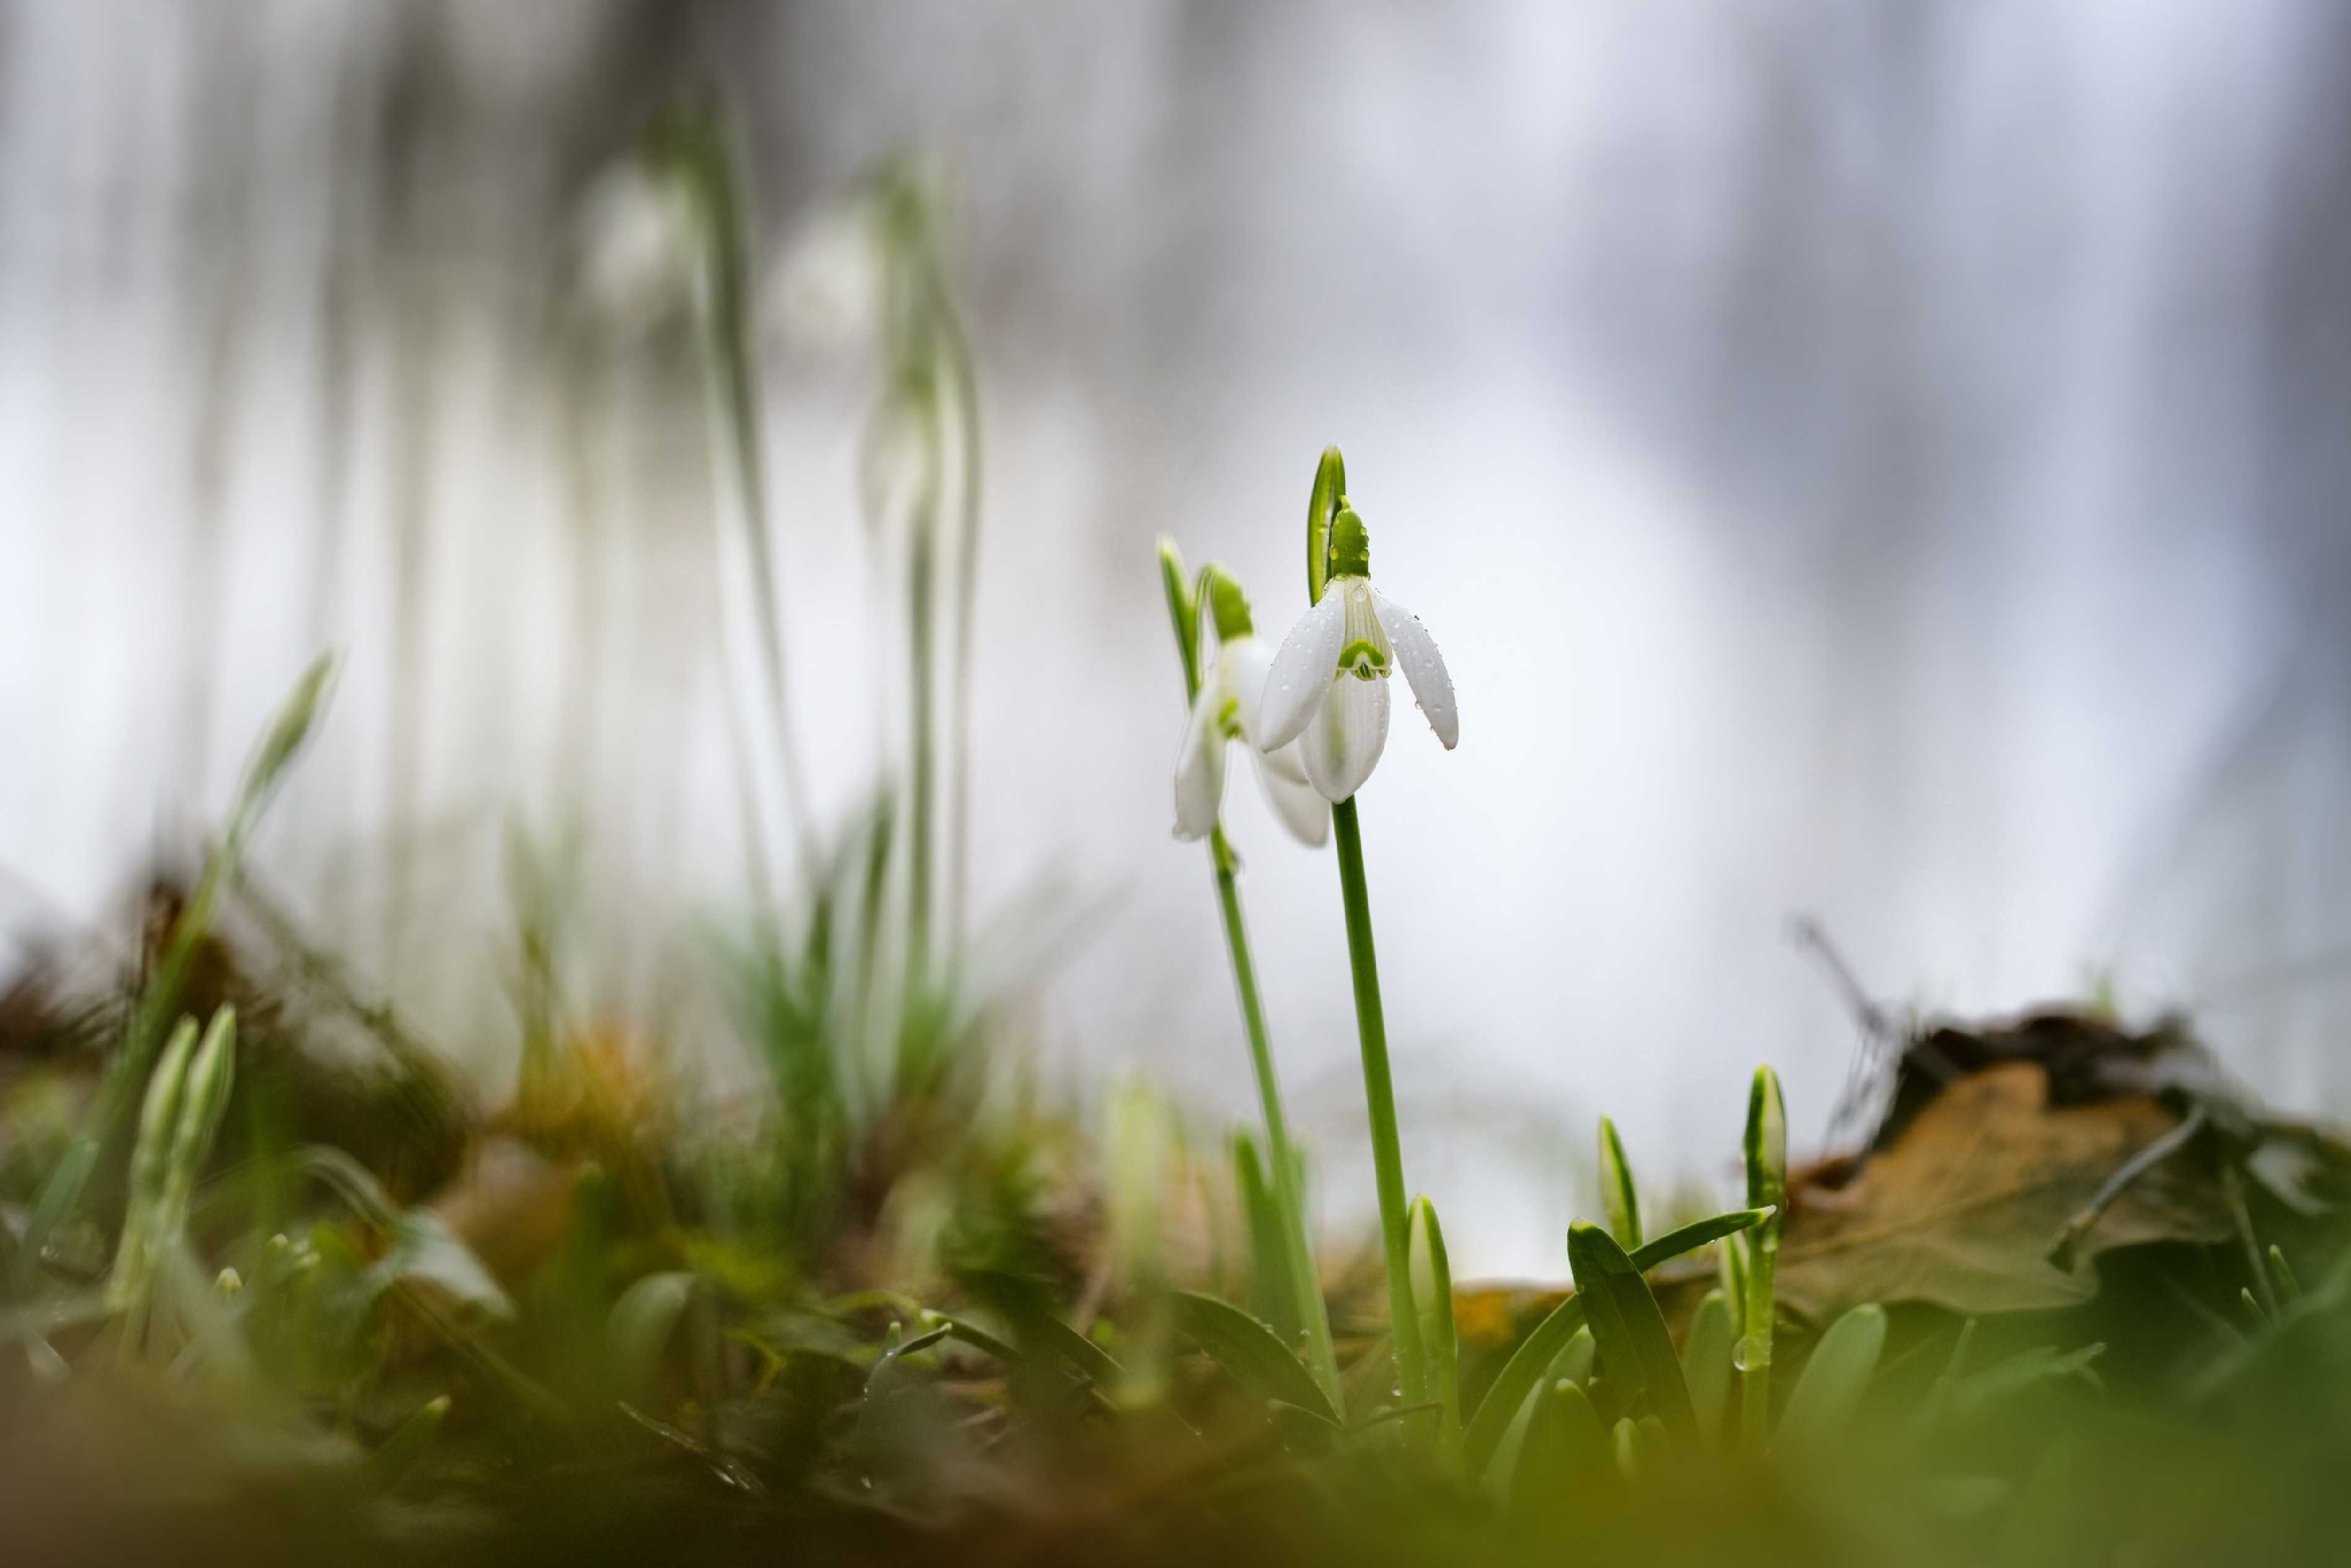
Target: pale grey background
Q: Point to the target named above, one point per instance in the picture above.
(1880, 460)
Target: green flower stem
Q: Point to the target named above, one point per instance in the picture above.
(1184, 617)
(738, 466)
(1312, 1311)
(922, 593)
(1379, 1099)
(964, 384)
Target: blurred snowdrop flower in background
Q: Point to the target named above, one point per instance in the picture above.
(825, 292)
(644, 246)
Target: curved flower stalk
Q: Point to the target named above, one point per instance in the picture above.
(1327, 687)
(1225, 694)
(1228, 707)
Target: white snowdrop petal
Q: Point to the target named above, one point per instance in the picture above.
(1343, 744)
(1294, 799)
(1422, 665)
(1246, 663)
(1200, 769)
(1301, 672)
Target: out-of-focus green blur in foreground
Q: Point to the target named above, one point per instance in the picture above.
(264, 1309)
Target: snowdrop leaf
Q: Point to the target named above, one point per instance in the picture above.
(1629, 1330)
(1538, 1349)
(1251, 1352)
(1829, 1389)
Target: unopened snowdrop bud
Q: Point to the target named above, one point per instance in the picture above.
(1353, 630)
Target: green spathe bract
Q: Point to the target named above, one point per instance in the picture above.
(1322, 504)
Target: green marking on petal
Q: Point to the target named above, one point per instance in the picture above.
(1363, 658)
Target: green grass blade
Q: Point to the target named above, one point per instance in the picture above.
(1535, 1353)
(1629, 1329)
(1829, 1389)
(1706, 1362)
(159, 1000)
(407, 1445)
(1573, 1364)
(1251, 1352)
(58, 1189)
(979, 1338)
(1088, 1358)
(2289, 1289)
(637, 1329)
(1766, 1149)
(1432, 1293)
(1698, 1233)
(1617, 1193)
(1272, 1291)
(1561, 1447)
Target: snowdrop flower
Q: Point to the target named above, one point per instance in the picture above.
(827, 291)
(1232, 689)
(645, 245)
(1327, 689)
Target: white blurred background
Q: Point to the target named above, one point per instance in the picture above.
(1886, 462)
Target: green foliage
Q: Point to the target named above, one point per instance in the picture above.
(1617, 1194)
(1551, 1337)
(1250, 1352)
(1828, 1390)
(1630, 1331)
(1707, 1362)
(1432, 1294)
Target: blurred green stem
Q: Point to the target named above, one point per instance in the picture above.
(1311, 1312)
(922, 593)
(964, 384)
(1379, 1099)
(725, 319)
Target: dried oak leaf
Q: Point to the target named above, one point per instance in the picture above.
(1960, 1208)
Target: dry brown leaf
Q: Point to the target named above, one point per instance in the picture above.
(1960, 1209)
